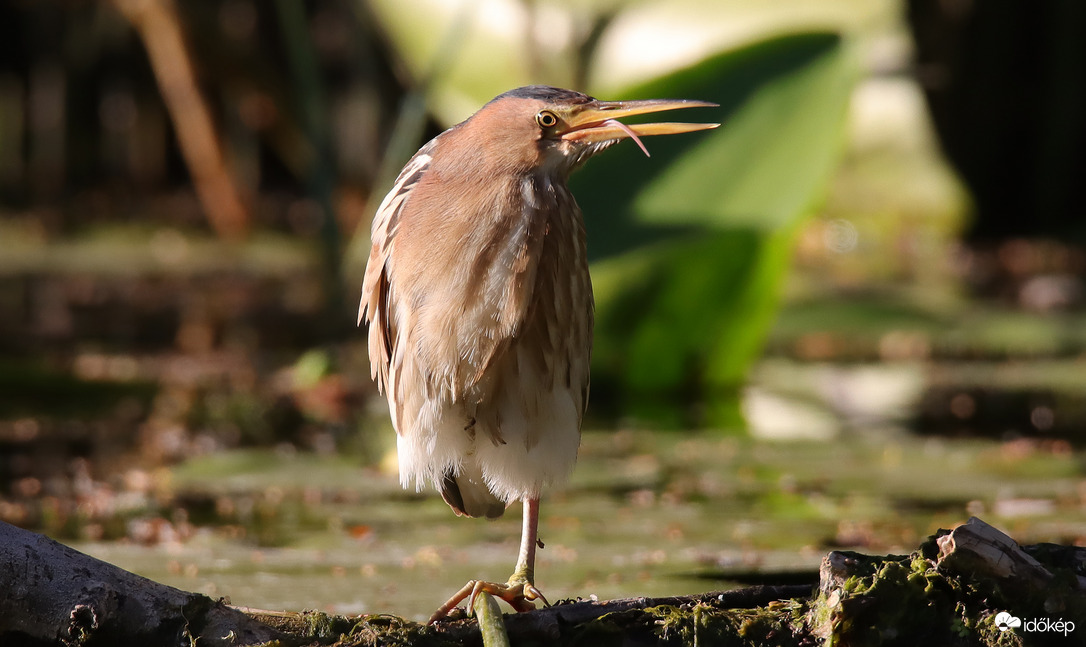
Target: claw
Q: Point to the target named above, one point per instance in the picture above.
(534, 594)
(518, 594)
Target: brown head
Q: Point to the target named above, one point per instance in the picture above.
(542, 128)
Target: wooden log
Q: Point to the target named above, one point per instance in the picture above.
(977, 547)
(53, 594)
(629, 618)
(948, 591)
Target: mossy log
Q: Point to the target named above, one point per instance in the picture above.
(947, 592)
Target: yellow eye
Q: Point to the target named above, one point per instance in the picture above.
(546, 119)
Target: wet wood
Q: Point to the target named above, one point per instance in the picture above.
(52, 594)
(977, 546)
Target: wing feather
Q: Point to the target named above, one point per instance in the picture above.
(375, 307)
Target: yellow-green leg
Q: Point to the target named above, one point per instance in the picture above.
(520, 590)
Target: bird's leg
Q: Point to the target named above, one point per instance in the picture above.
(522, 583)
(520, 590)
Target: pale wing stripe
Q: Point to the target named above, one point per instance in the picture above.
(375, 304)
(385, 222)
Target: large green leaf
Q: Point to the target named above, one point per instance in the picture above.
(692, 245)
(782, 111)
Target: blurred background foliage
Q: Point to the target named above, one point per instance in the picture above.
(881, 246)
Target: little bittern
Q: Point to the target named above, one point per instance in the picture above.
(479, 305)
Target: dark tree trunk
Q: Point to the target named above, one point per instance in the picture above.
(1006, 84)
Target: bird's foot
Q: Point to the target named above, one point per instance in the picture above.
(518, 592)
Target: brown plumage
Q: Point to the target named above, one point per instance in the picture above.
(479, 304)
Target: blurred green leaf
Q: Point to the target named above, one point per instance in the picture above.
(311, 368)
(692, 245)
(782, 111)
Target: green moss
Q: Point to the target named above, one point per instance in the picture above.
(393, 631)
(323, 626)
(890, 602)
(908, 601)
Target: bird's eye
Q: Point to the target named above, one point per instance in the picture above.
(546, 118)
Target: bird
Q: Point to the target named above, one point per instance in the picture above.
(479, 306)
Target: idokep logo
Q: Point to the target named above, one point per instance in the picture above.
(1005, 621)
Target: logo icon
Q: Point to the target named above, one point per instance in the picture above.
(1006, 621)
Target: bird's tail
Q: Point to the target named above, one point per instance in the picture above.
(467, 494)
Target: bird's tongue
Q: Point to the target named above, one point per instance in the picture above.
(629, 131)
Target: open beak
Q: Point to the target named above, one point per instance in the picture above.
(599, 121)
